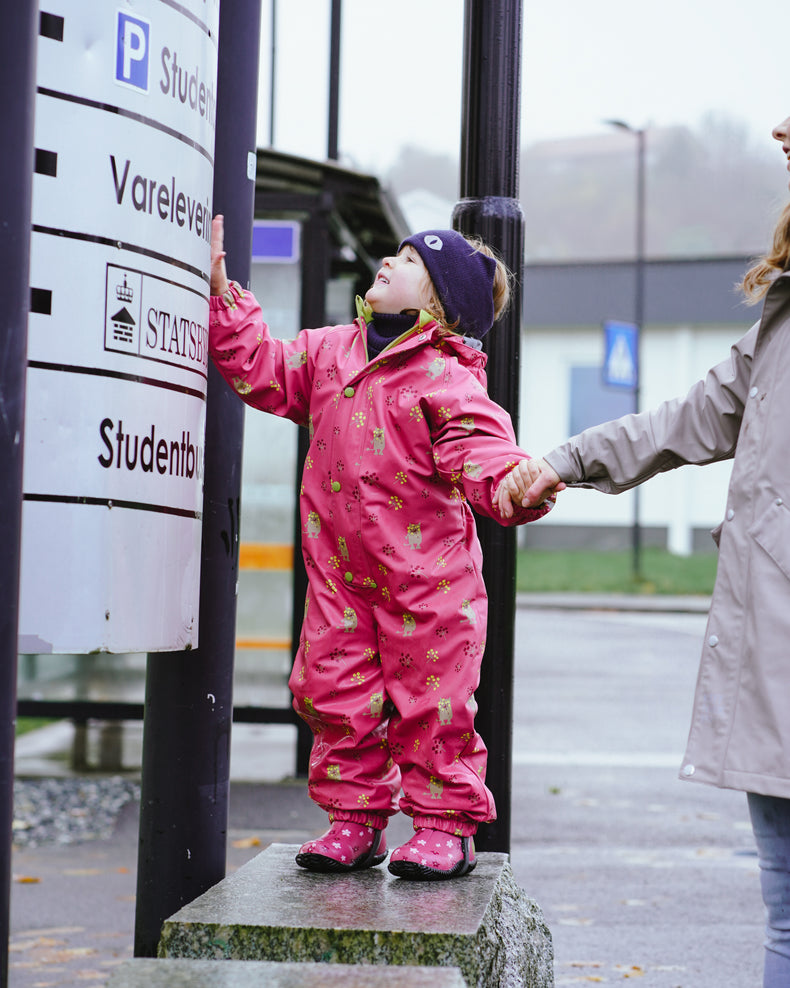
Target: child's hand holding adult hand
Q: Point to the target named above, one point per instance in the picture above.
(219, 276)
(528, 485)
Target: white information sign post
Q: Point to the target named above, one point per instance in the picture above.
(118, 329)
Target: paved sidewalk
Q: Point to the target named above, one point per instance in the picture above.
(632, 602)
(640, 876)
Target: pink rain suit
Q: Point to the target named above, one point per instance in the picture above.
(395, 616)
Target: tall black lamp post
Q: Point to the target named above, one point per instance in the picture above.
(639, 305)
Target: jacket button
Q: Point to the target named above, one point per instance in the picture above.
(713, 641)
(730, 515)
(348, 577)
(778, 502)
(753, 393)
(335, 486)
(348, 392)
(688, 770)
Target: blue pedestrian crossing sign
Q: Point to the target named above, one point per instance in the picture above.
(621, 361)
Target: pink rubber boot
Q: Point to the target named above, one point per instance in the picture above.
(433, 855)
(346, 846)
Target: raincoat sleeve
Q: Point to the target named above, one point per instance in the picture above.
(474, 447)
(270, 374)
(701, 428)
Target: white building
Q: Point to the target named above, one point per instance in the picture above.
(692, 316)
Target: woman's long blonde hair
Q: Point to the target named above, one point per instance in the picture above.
(758, 278)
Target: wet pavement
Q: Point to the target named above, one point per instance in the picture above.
(640, 876)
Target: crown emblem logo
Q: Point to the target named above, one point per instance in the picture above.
(123, 292)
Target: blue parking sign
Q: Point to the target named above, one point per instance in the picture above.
(131, 60)
(621, 360)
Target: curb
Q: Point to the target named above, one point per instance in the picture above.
(656, 603)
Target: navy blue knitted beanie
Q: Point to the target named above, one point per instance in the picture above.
(462, 276)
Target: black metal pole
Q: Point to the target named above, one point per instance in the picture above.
(273, 73)
(316, 264)
(17, 76)
(189, 695)
(489, 207)
(639, 304)
(639, 315)
(334, 81)
(312, 312)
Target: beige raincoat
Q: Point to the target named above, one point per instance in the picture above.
(740, 729)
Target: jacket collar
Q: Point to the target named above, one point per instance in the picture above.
(427, 330)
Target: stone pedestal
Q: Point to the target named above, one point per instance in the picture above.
(482, 924)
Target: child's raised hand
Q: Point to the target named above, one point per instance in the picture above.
(219, 276)
(528, 485)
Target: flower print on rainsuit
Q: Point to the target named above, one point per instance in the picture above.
(395, 617)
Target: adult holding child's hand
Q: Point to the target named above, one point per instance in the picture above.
(528, 485)
(740, 411)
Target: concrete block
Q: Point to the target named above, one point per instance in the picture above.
(150, 973)
(270, 909)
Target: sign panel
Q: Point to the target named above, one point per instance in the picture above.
(276, 241)
(621, 360)
(118, 329)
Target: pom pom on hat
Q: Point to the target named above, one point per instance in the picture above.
(462, 276)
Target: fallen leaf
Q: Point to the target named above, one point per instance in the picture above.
(634, 971)
(247, 842)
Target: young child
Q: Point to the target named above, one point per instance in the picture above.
(403, 439)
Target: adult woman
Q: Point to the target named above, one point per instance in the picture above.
(740, 730)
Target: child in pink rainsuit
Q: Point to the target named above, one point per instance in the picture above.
(403, 440)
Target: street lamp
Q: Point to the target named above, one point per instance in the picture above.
(639, 302)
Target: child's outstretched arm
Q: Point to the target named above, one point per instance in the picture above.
(529, 484)
(219, 276)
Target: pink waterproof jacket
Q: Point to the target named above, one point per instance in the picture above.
(400, 445)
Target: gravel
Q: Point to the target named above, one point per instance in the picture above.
(67, 811)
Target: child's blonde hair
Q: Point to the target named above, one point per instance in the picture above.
(758, 278)
(502, 289)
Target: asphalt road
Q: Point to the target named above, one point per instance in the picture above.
(641, 877)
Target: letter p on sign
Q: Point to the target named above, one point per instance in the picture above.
(131, 62)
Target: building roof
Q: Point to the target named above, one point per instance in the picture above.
(687, 291)
(364, 218)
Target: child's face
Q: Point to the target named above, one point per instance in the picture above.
(402, 284)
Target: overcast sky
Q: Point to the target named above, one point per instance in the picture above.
(649, 63)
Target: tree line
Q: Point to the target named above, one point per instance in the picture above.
(709, 191)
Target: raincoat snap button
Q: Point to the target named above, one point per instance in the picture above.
(713, 641)
(730, 515)
(348, 392)
(753, 393)
(335, 485)
(688, 770)
(778, 502)
(348, 577)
